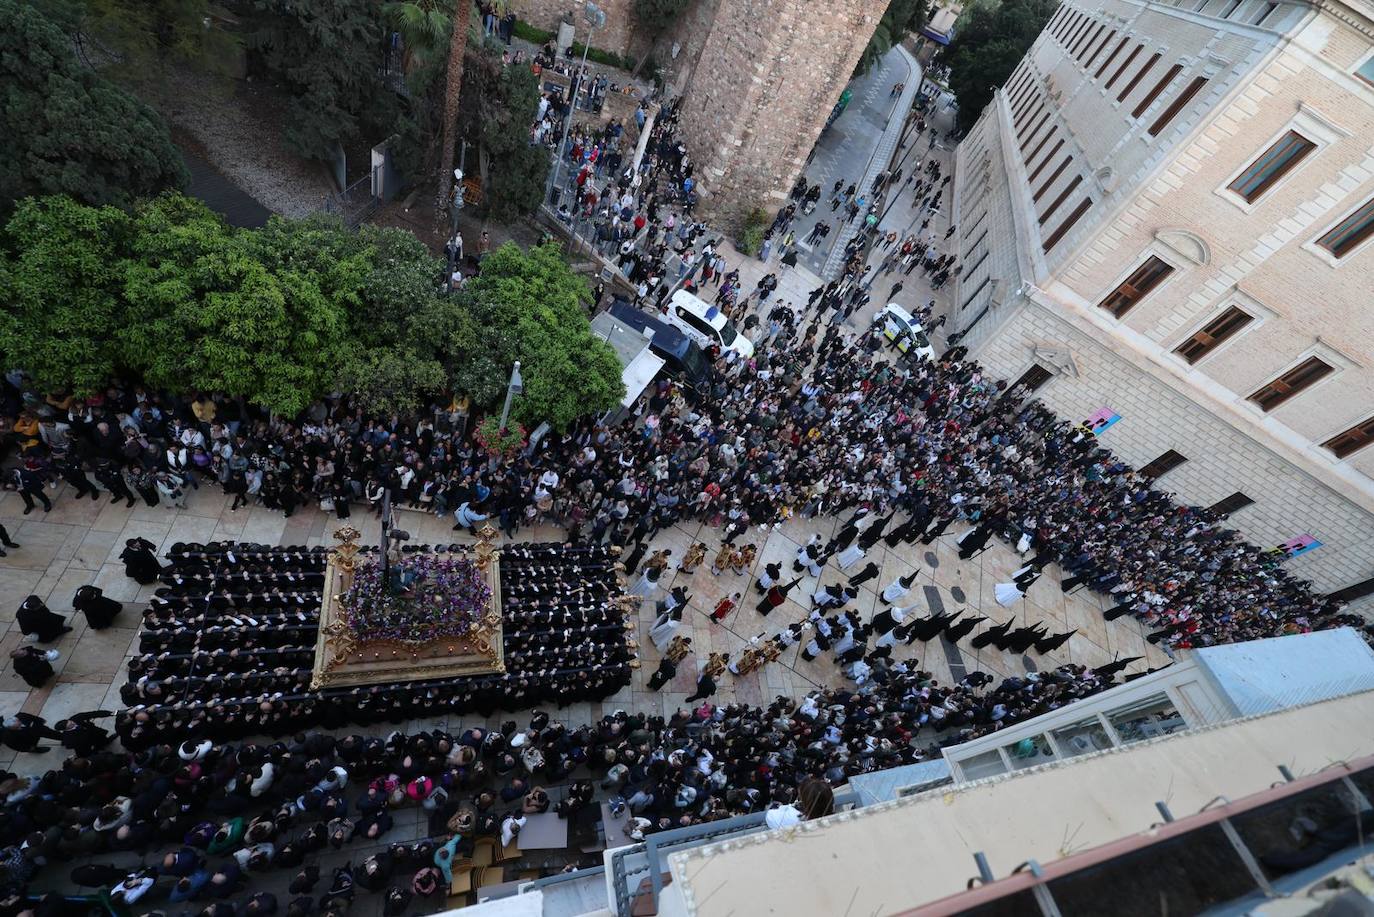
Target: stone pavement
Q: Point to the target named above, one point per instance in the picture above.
(79, 543)
(855, 149)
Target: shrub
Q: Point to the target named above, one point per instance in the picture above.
(751, 233)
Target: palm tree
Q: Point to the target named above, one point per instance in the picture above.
(423, 25)
(453, 85)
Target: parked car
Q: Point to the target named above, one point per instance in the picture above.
(682, 359)
(705, 324)
(901, 328)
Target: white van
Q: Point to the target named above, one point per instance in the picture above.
(705, 324)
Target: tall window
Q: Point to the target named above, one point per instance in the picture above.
(1302, 376)
(1274, 164)
(1176, 106)
(1034, 377)
(1213, 334)
(1342, 238)
(1232, 503)
(1053, 239)
(1366, 71)
(1352, 440)
(1166, 462)
(1153, 94)
(1124, 64)
(1140, 75)
(1111, 57)
(1137, 286)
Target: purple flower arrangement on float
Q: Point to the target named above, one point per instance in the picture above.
(437, 598)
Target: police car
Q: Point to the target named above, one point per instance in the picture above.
(902, 329)
(705, 324)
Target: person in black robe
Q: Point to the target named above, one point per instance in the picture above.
(23, 731)
(140, 561)
(1021, 639)
(32, 665)
(867, 573)
(938, 529)
(80, 733)
(975, 539)
(996, 632)
(1119, 665)
(1049, 644)
(929, 628)
(875, 531)
(959, 631)
(36, 620)
(100, 611)
(665, 672)
(775, 596)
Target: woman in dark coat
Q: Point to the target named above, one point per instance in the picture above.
(100, 611)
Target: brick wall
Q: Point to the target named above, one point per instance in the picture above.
(618, 35)
(768, 75)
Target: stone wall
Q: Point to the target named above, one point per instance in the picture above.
(618, 35)
(768, 75)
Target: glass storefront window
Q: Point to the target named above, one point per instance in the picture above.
(1029, 752)
(987, 764)
(1147, 720)
(1082, 738)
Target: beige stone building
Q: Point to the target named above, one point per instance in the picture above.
(1167, 215)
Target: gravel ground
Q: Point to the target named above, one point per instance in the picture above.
(236, 125)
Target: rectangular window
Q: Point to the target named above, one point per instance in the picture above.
(1176, 106)
(1086, 38)
(1154, 93)
(1276, 162)
(1137, 286)
(1039, 146)
(1033, 132)
(1046, 161)
(1231, 7)
(1232, 503)
(1140, 75)
(974, 295)
(1063, 196)
(1342, 238)
(1125, 39)
(1030, 114)
(1163, 465)
(1065, 226)
(1135, 52)
(1366, 71)
(1352, 440)
(1049, 182)
(1034, 377)
(1093, 35)
(1213, 334)
(1300, 377)
(979, 222)
(1266, 13)
(1077, 34)
(1106, 41)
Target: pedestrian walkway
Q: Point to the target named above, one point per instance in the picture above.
(79, 543)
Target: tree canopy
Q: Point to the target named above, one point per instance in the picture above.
(528, 307)
(990, 41)
(519, 169)
(66, 130)
(899, 19)
(173, 296)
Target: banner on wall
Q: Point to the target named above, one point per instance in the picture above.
(1101, 419)
(1298, 545)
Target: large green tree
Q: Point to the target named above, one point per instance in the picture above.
(210, 307)
(61, 298)
(518, 168)
(66, 130)
(328, 55)
(989, 42)
(528, 306)
(899, 19)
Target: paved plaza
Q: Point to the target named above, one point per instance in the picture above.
(79, 543)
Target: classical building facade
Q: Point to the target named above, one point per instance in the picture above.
(1166, 216)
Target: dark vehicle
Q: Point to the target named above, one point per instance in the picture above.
(682, 359)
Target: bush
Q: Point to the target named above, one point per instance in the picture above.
(606, 58)
(751, 234)
(529, 33)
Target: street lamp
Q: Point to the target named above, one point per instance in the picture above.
(516, 386)
(596, 18)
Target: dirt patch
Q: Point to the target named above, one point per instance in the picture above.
(236, 125)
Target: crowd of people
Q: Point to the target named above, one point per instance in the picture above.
(228, 644)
